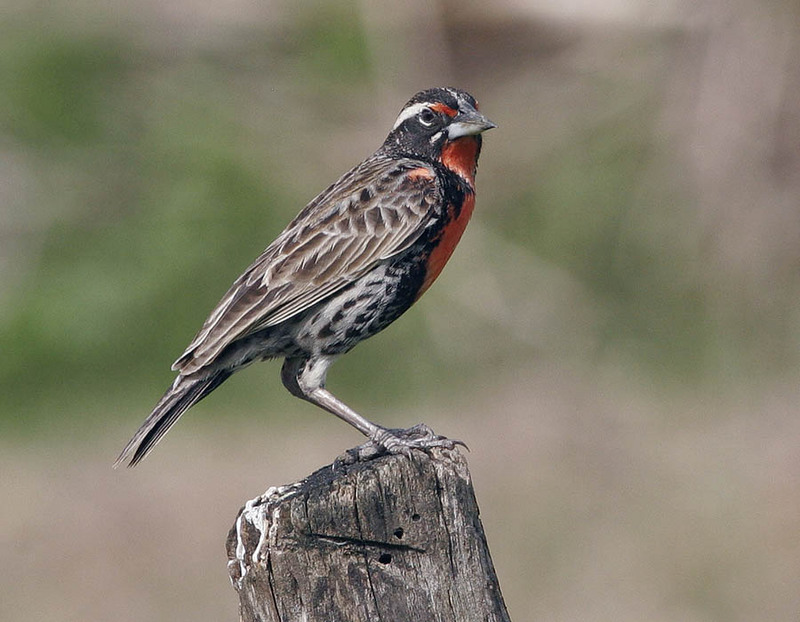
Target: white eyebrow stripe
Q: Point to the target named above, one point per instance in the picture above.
(409, 112)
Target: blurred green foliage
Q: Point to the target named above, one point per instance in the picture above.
(590, 212)
(151, 200)
(332, 46)
(55, 89)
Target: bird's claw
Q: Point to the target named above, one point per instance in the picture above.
(400, 441)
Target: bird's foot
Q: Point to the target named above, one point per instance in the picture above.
(399, 441)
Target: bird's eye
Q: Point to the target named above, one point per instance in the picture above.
(427, 117)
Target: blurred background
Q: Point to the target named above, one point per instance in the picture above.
(617, 337)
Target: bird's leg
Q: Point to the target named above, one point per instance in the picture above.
(305, 378)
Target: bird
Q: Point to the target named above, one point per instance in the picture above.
(349, 264)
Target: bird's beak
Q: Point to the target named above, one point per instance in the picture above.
(468, 123)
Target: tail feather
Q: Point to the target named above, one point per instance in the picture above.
(181, 396)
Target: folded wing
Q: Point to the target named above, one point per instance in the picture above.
(374, 212)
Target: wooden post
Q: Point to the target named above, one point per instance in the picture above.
(395, 538)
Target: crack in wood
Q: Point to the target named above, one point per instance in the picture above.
(366, 543)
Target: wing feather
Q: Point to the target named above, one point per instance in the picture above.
(376, 211)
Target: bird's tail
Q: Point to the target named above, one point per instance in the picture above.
(184, 393)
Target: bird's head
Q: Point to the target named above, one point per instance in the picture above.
(437, 122)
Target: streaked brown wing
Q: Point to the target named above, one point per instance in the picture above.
(372, 213)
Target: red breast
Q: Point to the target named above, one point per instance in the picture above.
(460, 156)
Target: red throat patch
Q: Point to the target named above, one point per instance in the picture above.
(461, 157)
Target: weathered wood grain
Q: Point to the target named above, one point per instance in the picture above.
(390, 539)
